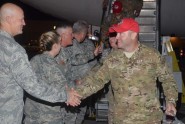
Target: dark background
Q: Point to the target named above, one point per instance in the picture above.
(30, 12)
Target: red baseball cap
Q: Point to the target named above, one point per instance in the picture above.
(125, 25)
(117, 7)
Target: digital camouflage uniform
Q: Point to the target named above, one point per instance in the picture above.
(65, 57)
(79, 61)
(38, 111)
(134, 84)
(76, 58)
(80, 67)
(89, 48)
(16, 74)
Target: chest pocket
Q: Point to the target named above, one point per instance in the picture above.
(148, 68)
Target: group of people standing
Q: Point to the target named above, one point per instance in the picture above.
(66, 74)
(64, 62)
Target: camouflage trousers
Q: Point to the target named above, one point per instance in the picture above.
(81, 115)
(73, 115)
(28, 120)
(69, 115)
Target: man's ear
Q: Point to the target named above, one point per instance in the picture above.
(133, 35)
(8, 19)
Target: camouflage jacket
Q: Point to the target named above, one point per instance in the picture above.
(64, 59)
(79, 61)
(46, 68)
(16, 74)
(133, 82)
(77, 56)
(89, 48)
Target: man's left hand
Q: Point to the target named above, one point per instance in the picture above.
(170, 109)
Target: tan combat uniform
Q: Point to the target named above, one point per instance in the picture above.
(134, 85)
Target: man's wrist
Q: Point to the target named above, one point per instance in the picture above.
(172, 101)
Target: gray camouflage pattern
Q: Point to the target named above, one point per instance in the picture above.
(46, 68)
(16, 74)
(82, 53)
(64, 60)
(88, 48)
(78, 55)
(134, 84)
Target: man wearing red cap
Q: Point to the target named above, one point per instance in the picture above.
(133, 69)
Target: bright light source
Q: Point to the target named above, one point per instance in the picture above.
(54, 27)
(93, 38)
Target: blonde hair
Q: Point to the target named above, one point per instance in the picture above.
(48, 39)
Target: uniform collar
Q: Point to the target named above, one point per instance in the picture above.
(47, 54)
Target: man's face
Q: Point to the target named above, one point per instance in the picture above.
(17, 22)
(112, 41)
(82, 36)
(123, 39)
(66, 36)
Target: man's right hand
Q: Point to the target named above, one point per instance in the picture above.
(73, 97)
(98, 50)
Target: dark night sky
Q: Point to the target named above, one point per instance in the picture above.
(30, 12)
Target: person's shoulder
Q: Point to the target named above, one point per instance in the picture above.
(150, 52)
(148, 49)
(7, 41)
(35, 58)
(68, 49)
(10, 46)
(88, 41)
(114, 54)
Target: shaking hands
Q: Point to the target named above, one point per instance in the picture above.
(73, 98)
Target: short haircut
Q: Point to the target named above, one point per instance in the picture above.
(64, 25)
(80, 26)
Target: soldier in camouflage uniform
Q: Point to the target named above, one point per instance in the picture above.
(16, 72)
(46, 68)
(133, 70)
(113, 44)
(121, 9)
(80, 61)
(106, 52)
(73, 56)
(64, 56)
(64, 59)
(83, 50)
(91, 52)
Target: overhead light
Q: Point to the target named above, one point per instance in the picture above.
(93, 38)
(54, 27)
